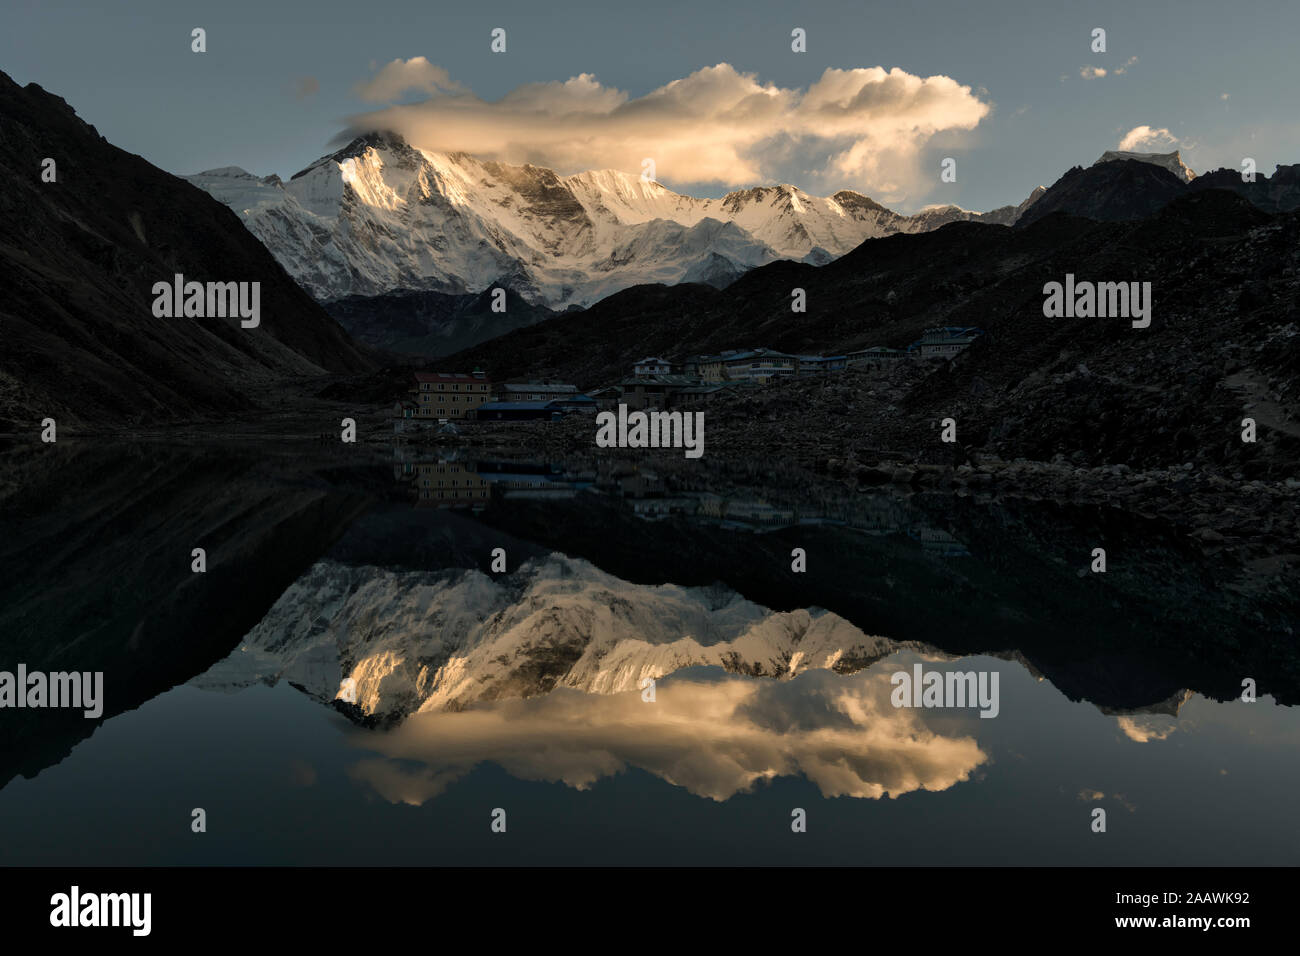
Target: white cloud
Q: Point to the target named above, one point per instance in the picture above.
(1097, 72)
(401, 76)
(858, 128)
(1147, 139)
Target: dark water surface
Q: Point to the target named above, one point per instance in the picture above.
(478, 690)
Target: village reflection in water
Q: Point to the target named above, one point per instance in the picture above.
(453, 481)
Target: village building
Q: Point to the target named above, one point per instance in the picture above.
(651, 392)
(945, 342)
(758, 365)
(706, 368)
(695, 396)
(607, 397)
(814, 364)
(877, 356)
(446, 395)
(582, 404)
(532, 391)
(652, 366)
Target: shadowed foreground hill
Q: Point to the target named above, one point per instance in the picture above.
(80, 256)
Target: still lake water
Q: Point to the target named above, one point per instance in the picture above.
(519, 691)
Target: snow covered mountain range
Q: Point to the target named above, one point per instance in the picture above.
(381, 215)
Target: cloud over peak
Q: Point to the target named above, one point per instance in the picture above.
(402, 76)
(862, 128)
(1147, 139)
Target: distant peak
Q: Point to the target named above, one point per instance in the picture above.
(228, 172)
(1170, 161)
(375, 139)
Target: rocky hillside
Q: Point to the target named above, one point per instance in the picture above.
(1277, 193)
(1109, 190)
(80, 256)
(432, 324)
(1223, 344)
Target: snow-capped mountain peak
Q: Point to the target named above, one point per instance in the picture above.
(381, 215)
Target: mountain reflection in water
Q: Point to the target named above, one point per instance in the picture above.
(772, 685)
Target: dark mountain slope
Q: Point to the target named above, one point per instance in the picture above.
(1277, 193)
(80, 257)
(1222, 341)
(1116, 190)
(432, 323)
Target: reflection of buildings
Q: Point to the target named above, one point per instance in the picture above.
(455, 483)
(514, 479)
(451, 482)
(937, 541)
(648, 496)
(444, 484)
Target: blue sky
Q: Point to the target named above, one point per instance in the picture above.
(127, 68)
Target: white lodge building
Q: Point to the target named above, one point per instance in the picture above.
(652, 366)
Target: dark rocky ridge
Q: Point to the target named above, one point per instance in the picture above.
(1277, 193)
(1224, 343)
(432, 324)
(80, 257)
(1115, 190)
